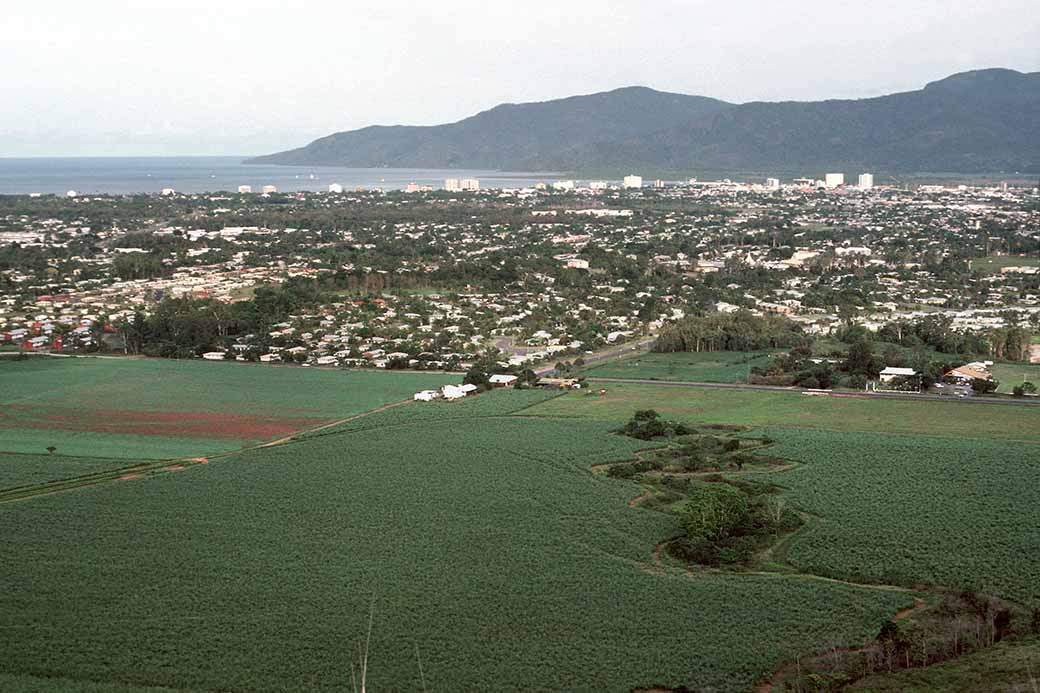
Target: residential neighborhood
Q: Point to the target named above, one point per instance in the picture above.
(430, 280)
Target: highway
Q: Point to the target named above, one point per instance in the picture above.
(614, 353)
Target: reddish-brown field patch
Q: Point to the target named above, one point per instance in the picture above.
(179, 424)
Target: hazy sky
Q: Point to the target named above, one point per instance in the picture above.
(111, 77)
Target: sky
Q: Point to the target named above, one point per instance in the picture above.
(224, 77)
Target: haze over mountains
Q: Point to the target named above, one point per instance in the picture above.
(979, 121)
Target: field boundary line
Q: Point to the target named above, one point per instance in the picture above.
(155, 467)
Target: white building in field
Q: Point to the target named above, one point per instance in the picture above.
(891, 373)
(245, 189)
(335, 188)
(866, 181)
(451, 184)
(632, 182)
(834, 180)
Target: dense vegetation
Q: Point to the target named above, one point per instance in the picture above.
(740, 331)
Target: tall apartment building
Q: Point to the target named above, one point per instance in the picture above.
(834, 180)
(866, 181)
(632, 182)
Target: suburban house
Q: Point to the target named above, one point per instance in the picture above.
(972, 371)
(450, 392)
(502, 380)
(891, 373)
(560, 383)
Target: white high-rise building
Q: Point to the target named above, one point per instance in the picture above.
(632, 182)
(268, 189)
(866, 181)
(451, 184)
(597, 185)
(563, 185)
(772, 183)
(834, 180)
(412, 187)
(469, 184)
(245, 189)
(335, 188)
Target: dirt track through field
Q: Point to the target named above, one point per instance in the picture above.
(289, 438)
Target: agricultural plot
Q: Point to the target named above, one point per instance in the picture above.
(157, 409)
(705, 367)
(1011, 374)
(494, 403)
(916, 510)
(1012, 665)
(485, 544)
(29, 470)
(794, 410)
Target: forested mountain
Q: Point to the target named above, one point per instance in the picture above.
(984, 120)
(507, 134)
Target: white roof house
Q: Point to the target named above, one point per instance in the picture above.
(453, 392)
(502, 379)
(891, 373)
(426, 395)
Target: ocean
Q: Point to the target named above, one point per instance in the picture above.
(194, 174)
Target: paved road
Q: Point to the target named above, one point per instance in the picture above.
(828, 393)
(610, 354)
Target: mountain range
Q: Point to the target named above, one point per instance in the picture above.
(978, 121)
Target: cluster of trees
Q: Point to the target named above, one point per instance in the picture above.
(738, 331)
(647, 424)
(957, 625)
(727, 522)
(937, 332)
(488, 364)
(187, 327)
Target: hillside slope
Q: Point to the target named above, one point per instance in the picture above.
(984, 120)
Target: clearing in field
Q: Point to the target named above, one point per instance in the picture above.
(994, 263)
(1011, 374)
(703, 367)
(483, 539)
(158, 409)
